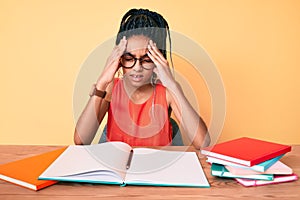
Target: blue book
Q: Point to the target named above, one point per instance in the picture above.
(261, 167)
(221, 171)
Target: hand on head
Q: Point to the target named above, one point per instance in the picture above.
(162, 68)
(113, 63)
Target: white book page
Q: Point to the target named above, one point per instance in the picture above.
(276, 168)
(83, 161)
(160, 167)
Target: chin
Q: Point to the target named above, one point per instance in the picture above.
(136, 83)
(139, 84)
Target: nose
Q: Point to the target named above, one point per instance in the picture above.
(138, 66)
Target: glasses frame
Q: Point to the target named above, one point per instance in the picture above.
(135, 59)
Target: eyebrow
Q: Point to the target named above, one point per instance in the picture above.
(133, 55)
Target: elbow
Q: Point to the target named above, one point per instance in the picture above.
(77, 139)
(207, 140)
(202, 142)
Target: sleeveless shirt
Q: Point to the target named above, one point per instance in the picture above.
(145, 124)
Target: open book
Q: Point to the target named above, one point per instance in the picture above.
(113, 163)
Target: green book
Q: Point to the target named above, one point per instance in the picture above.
(221, 171)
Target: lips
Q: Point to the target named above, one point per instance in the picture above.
(136, 77)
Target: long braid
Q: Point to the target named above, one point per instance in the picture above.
(150, 24)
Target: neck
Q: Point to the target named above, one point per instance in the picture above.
(138, 94)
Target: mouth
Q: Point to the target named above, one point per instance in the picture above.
(137, 77)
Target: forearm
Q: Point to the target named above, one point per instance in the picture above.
(96, 107)
(190, 121)
(89, 120)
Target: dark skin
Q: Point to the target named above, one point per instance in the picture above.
(138, 87)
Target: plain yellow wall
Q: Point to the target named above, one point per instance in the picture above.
(255, 45)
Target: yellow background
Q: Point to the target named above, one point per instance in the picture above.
(254, 43)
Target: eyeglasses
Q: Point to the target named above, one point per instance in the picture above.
(127, 60)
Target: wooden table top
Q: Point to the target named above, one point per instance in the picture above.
(220, 188)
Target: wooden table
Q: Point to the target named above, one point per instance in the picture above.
(220, 188)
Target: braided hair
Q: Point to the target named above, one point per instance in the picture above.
(147, 23)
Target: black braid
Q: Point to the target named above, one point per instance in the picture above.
(147, 23)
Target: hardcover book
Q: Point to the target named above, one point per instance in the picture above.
(246, 151)
(277, 168)
(25, 172)
(221, 171)
(277, 179)
(261, 167)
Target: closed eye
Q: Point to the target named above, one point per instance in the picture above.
(148, 60)
(128, 58)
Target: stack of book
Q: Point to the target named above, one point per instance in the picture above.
(251, 162)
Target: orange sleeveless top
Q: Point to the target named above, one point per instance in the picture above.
(145, 124)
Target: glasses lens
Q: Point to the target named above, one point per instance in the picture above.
(147, 63)
(127, 61)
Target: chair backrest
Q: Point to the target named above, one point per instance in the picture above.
(176, 135)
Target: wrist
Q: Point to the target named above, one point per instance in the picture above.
(97, 92)
(174, 86)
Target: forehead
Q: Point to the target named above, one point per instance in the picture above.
(137, 44)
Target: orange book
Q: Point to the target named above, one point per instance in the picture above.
(25, 172)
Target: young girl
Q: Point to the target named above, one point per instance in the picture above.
(140, 103)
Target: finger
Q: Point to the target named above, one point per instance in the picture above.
(157, 57)
(123, 43)
(156, 50)
(154, 57)
(120, 48)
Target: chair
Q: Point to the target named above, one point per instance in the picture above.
(176, 135)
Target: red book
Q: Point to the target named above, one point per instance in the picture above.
(25, 172)
(246, 151)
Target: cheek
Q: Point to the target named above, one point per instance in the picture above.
(125, 70)
(148, 74)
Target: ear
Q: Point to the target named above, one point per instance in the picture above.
(155, 70)
(154, 78)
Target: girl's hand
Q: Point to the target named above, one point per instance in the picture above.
(162, 68)
(112, 64)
